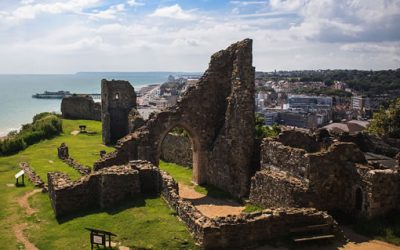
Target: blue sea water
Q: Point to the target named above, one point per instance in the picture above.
(17, 106)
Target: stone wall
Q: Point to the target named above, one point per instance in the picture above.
(299, 138)
(383, 193)
(80, 107)
(102, 189)
(177, 149)
(275, 155)
(218, 114)
(239, 231)
(32, 176)
(278, 189)
(336, 177)
(118, 98)
(63, 154)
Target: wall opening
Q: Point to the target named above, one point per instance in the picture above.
(181, 146)
(359, 199)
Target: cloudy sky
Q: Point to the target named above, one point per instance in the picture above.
(54, 36)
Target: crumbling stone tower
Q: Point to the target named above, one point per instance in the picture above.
(217, 113)
(118, 98)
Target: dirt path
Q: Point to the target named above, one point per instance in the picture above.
(24, 201)
(19, 233)
(360, 242)
(19, 228)
(209, 206)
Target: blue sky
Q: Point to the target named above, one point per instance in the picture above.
(54, 36)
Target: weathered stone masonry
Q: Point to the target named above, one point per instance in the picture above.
(177, 149)
(118, 98)
(102, 189)
(328, 176)
(80, 107)
(218, 113)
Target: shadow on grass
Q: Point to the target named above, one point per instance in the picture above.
(216, 193)
(386, 228)
(135, 202)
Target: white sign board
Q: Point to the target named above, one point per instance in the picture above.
(19, 174)
(98, 239)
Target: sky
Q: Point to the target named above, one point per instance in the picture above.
(54, 36)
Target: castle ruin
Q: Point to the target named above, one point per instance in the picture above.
(218, 114)
(301, 173)
(118, 98)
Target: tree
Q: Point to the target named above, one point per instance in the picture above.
(386, 122)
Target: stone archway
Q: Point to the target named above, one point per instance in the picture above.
(198, 166)
(219, 114)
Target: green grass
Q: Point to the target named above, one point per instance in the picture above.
(183, 175)
(250, 208)
(146, 223)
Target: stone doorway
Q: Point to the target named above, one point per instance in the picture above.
(182, 142)
(359, 199)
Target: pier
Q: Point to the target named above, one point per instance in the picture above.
(62, 94)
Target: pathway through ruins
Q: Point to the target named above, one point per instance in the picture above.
(18, 229)
(209, 206)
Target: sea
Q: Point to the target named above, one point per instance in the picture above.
(17, 106)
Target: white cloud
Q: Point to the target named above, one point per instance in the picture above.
(27, 1)
(30, 11)
(134, 3)
(245, 3)
(110, 13)
(174, 12)
(287, 35)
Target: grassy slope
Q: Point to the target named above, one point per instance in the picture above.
(146, 223)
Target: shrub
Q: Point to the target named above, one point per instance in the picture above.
(44, 126)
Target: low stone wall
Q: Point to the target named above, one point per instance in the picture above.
(177, 149)
(276, 155)
(83, 170)
(80, 107)
(103, 189)
(32, 176)
(278, 189)
(63, 154)
(245, 230)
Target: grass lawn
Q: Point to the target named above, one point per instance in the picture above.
(146, 223)
(183, 175)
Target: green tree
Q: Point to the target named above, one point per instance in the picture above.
(386, 122)
(263, 131)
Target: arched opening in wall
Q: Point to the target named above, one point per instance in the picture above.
(358, 199)
(179, 155)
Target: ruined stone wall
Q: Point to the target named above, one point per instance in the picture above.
(218, 113)
(275, 155)
(298, 138)
(103, 189)
(177, 149)
(80, 107)
(278, 189)
(118, 98)
(238, 231)
(333, 176)
(383, 192)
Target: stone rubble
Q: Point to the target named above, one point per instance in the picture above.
(32, 176)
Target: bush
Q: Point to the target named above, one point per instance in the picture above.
(12, 146)
(44, 126)
(263, 131)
